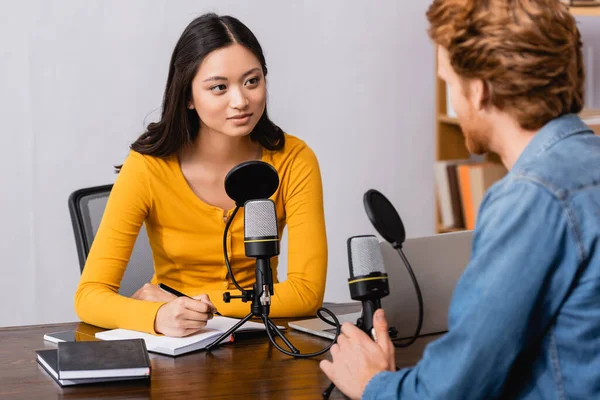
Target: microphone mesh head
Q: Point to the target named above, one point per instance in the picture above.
(364, 256)
(260, 219)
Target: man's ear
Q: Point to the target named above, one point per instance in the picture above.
(480, 93)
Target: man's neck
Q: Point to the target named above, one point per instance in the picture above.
(508, 139)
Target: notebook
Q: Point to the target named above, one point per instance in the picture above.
(89, 360)
(48, 359)
(174, 346)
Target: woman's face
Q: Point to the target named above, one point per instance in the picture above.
(229, 91)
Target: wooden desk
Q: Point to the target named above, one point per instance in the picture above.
(250, 368)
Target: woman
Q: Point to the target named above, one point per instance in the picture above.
(213, 117)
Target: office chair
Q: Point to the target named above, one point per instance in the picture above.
(86, 207)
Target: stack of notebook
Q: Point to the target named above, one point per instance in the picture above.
(76, 363)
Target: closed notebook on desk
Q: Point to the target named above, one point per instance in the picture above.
(175, 346)
(48, 359)
(87, 360)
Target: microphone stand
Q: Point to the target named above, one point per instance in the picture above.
(260, 296)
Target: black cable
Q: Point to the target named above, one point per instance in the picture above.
(419, 299)
(334, 323)
(308, 355)
(229, 271)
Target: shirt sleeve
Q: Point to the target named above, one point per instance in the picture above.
(302, 293)
(97, 301)
(500, 305)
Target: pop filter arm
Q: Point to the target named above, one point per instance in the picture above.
(388, 223)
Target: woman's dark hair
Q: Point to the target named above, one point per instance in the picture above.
(178, 124)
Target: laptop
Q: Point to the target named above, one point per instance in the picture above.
(438, 262)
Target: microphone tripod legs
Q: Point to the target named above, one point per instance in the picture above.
(327, 392)
(270, 325)
(229, 332)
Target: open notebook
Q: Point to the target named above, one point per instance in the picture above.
(173, 346)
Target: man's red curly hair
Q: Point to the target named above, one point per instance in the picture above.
(528, 52)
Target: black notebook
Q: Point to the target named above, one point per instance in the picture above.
(110, 359)
(48, 359)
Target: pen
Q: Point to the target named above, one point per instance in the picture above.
(177, 293)
(172, 291)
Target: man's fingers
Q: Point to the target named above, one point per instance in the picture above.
(349, 330)
(341, 342)
(335, 350)
(383, 338)
(327, 367)
(380, 326)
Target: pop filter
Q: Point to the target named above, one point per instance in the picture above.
(251, 180)
(384, 218)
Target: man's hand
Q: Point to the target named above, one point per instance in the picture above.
(357, 358)
(184, 316)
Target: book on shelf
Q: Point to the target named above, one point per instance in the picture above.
(461, 186)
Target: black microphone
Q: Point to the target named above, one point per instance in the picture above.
(261, 241)
(387, 221)
(251, 180)
(368, 280)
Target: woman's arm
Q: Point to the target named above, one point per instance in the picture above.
(97, 301)
(302, 293)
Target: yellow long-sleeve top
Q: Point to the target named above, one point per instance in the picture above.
(186, 237)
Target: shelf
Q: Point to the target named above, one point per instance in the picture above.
(585, 11)
(441, 229)
(590, 116)
(448, 120)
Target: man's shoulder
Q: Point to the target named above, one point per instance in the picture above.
(566, 167)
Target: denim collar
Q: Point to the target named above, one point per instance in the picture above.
(551, 133)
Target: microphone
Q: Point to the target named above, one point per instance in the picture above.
(387, 222)
(368, 280)
(261, 241)
(250, 184)
(251, 180)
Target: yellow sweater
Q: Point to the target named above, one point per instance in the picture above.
(186, 237)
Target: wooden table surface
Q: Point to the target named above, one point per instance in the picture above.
(250, 368)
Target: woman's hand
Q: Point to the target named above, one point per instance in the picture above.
(150, 292)
(184, 316)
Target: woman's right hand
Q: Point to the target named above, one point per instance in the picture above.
(183, 316)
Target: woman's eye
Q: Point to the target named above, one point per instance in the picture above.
(252, 81)
(218, 88)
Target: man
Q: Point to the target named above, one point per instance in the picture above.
(524, 322)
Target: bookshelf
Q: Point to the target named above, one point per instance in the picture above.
(583, 11)
(450, 143)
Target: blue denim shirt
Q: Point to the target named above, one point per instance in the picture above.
(524, 320)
